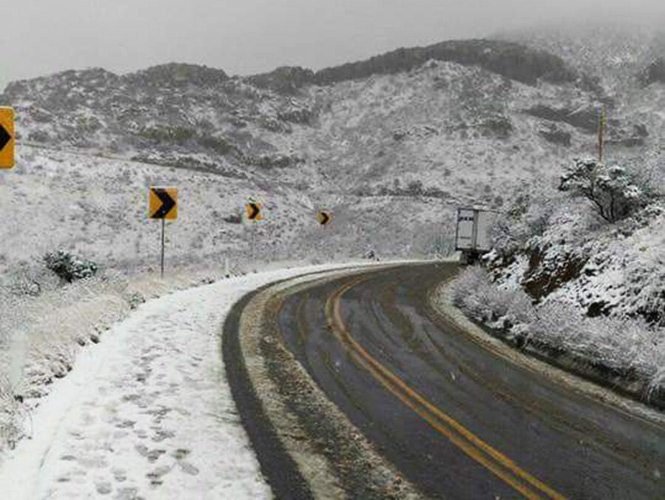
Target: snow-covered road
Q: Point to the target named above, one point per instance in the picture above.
(145, 413)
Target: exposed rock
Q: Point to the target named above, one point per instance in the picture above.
(546, 275)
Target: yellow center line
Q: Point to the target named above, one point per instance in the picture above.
(483, 453)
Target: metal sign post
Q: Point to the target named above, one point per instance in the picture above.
(324, 218)
(162, 257)
(163, 204)
(252, 242)
(253, 212)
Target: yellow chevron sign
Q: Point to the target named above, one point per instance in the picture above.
(163, 203)
(7, 139)
(253, 211)
(324, 217)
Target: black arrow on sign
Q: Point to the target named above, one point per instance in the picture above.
(255, 211)
(167, 203)
(5, 137)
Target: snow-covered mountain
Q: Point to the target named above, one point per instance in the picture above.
(391, 145)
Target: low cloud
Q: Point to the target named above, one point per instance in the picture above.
(248, 36)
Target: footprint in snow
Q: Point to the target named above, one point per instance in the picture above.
(103, 488)
(125, 424)
(119, 475)
(156, 475)
(188, 468)
(180, 453)
(127, 494)
(161, 435)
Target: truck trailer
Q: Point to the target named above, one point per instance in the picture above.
(473, 234)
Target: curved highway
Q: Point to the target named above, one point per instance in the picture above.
(456, 419)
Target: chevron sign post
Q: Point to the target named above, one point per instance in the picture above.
(253, 211)
(163, 205)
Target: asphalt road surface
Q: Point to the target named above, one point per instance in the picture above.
(458, 420)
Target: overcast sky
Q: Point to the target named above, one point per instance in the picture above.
(248, 36)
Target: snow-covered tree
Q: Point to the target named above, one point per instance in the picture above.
(612, 190)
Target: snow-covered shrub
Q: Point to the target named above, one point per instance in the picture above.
(474, 292)
(371, 255)
(11, 415)
(612, 190)
(527, 217)
(40, 336)
(619, 344)
(626, 347)
(69, 267)
(557, 323)
(235, 218)
(29, 278)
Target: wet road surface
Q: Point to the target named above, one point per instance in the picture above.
(456, 419)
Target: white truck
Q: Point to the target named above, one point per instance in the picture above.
(472, 236)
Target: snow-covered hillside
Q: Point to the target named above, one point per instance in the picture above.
(97, 207)
(391, 145)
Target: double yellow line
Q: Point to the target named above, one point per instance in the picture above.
(480, 451)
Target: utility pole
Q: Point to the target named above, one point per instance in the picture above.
(602, 122)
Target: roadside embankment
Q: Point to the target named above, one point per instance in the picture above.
(580, 373)
(41, 334)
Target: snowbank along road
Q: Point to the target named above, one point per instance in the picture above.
(457, 419)
(146, 413)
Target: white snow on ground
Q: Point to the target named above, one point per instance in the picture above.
(147, 412)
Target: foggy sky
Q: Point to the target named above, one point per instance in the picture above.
(248, 36)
